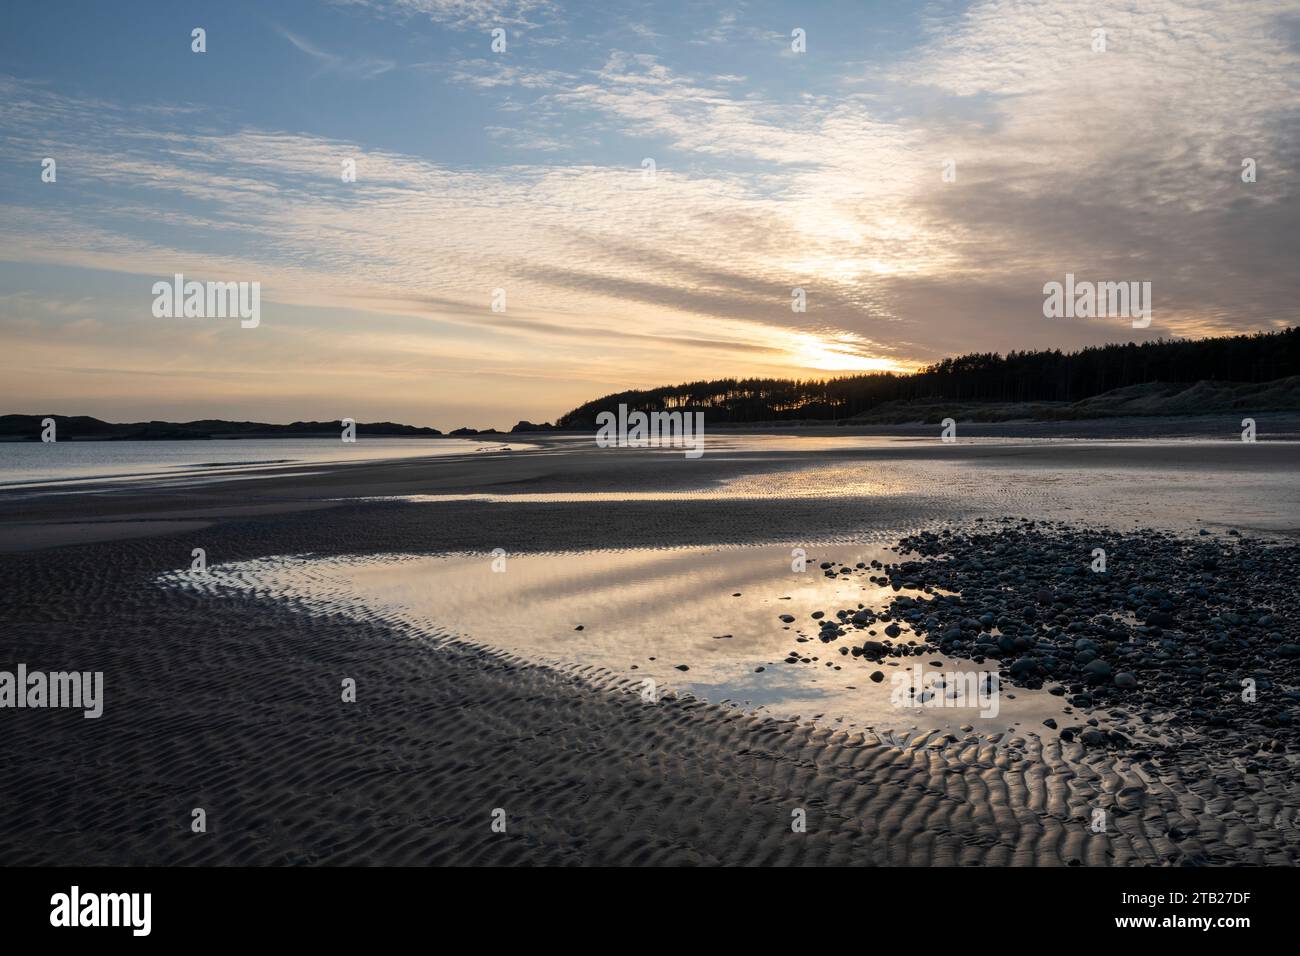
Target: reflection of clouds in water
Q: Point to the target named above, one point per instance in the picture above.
(642, 614)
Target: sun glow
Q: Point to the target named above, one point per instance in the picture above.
(841, 353)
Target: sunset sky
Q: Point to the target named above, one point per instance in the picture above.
(523, 170)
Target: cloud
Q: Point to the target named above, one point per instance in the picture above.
(463, 14)
(363, 67)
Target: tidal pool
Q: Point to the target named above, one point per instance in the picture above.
(647, 614)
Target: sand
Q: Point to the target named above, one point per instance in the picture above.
(233, 703)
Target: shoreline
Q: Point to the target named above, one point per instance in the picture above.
(896, 485)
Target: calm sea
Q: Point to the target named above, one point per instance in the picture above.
(36, 463)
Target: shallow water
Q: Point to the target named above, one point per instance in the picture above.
(1182, 497)
(30, 464)
(644, 612)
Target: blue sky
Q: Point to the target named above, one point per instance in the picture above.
(522, 170)
(390, 81)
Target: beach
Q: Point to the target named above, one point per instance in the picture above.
(589, 647)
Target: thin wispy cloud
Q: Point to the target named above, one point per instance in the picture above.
(364, 67)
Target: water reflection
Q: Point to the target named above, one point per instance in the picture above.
(707, 621)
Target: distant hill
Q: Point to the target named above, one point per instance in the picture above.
(1182, 376)
(527, 426)
(84, 428)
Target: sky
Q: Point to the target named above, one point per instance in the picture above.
(647, 184)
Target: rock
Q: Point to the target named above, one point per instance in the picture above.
(683, 667)
(787, 618)
(1049, 723)
(1024, 667)
(877, 676)
(1096, 670)
(1124, 680)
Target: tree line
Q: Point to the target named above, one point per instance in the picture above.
(1019, 376)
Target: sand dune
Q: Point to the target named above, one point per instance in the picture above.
(1149, 400)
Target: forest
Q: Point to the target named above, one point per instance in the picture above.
(1029, 376)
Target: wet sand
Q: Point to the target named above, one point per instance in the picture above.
(229, 699)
